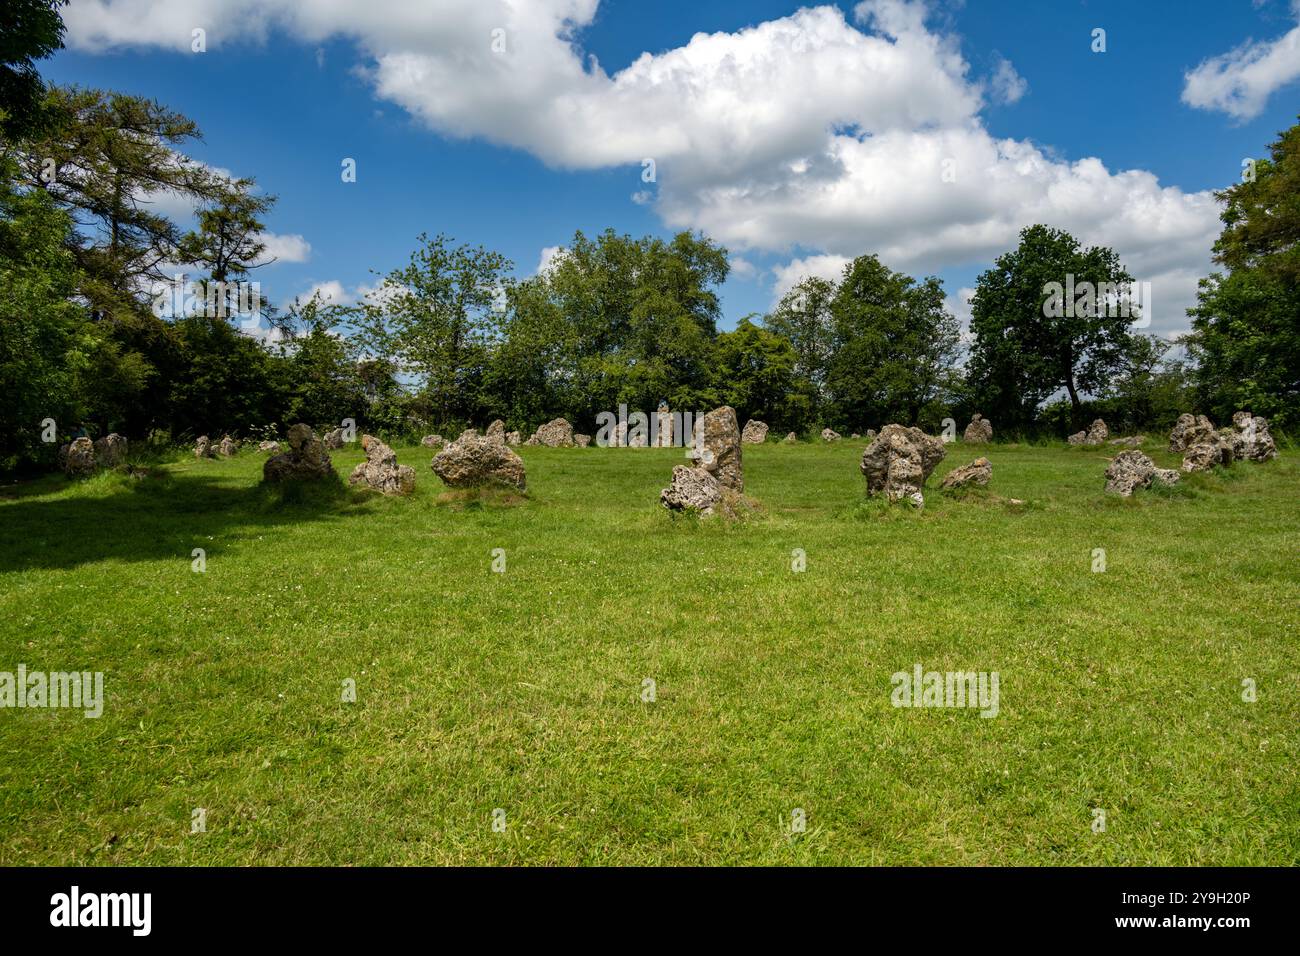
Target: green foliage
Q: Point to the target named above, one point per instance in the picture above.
(755, 371)
(1026, 345)
(893, 341)
(46, 342)
(1246, 325)
(30, 30)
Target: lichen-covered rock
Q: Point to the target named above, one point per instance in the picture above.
(898, 462)
(272, 446)
(110, 451)
(978, 472)
(717, 447)
(582, 441)
(334, 438)
(830, 435)
(1208, 453)
(755, 432)
(228, 447)
(1257, 443)
(557, 433)
(692, 488)
(1077, 438)
(1097, 433)
(979, 431)
(381, 471)
(1188, 431)
(1133, 441)
(791, 438)
(513, 438)
(80, 461)
(497, 431)
(306, 460)
(203, 448)
(432, 441)
(474, 460)
(1132, 469)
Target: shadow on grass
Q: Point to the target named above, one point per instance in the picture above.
(150, 514)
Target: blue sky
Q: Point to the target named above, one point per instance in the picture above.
(516, 149)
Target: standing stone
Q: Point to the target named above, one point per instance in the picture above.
(830, 435)
(755, 432)
(717, 448)
(474, 460)
(791, 438)
(306, 460)
(555, 434)
(1131, 469)
(272, 446)
(381, 471)
(203, 448)
(1257, 443)
(1097, 433)
(497, 431)
(582, 441)
(1133, 441)
(512, 438)
(978, 472)
(110, 451)
(333, 439)
(692, 489)
(228, 447)
(1188, 431)
(871, 433)
(979, 431)
(899, 460)
(81, 458)
(432, 441)
(663, 437)
(1207, 453)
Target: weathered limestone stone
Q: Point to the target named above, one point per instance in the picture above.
(272, 446)
(582, 441)
(474, 460)
(513, 438)
(692, 488)
(1132, 469)
(557, 433)
(755, 432)
(433, 441)
(830, 435)
(979, 431)
(203, 448)
(663, 437)
(228, 446)
(1133, 441)
(306, 460)
(81, 458)
(717, 447)
(497, 431)
(978, 472)
(334, 438)
(791, 438)
(1257, 441)
(110, 451)
(899, 460)
(1097, 433)
(871, 433)
(381, 471)
(1207, 453)
(1188, 430)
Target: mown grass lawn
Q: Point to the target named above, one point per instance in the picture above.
(523, 690)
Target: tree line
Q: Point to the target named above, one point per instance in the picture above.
(453, 338)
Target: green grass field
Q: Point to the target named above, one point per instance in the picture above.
(523, 690)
